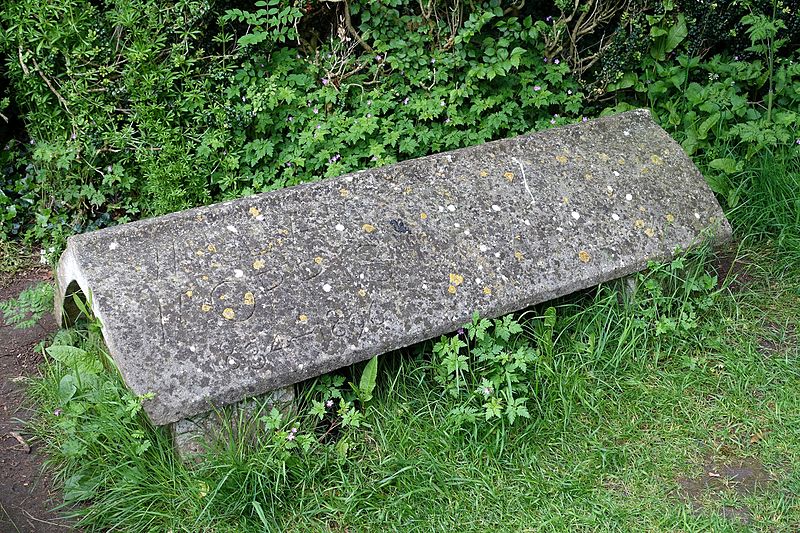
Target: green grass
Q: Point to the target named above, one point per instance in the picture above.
(628, 401)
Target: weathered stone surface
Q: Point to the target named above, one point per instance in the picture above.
(215, 304)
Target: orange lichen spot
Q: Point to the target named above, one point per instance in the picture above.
(205, 307)
(456, 279)
(362, 293)
(656, 159)
(650, 232)
(670, 218)
(369, 228)
(229, 313)
(302, 318)
(451, 289)
(584, 256)
(189, 293)
(254, 212)
(344, 193)
(211, 248)
(561, 159)
(249, 299)
(509, 176)
(423, 216)
(602, 156)
(487, 291)
(639, 223)
(484, 173)
(258, 264)
(318, 260)
(519, 255)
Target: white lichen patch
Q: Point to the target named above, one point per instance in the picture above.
(327, 287)
(451, 208)
(483, 248)
(113, 246)
(237, 273)
(615, 217)
(576, 215)
(496, 208)
(339, 227)
(629, 197)
(697, 216)
(232, 229)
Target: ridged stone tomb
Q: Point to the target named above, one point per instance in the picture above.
(212, 305)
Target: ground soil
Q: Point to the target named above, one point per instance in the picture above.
(26, 496)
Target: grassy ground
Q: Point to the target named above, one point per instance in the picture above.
(677, 410)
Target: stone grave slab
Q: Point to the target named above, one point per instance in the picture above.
(215, 304)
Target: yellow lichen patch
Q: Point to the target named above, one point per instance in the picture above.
(199, 218)
(223, 296)
(302, 318)
(484, 173)
(639, 223)
(258, 264)
(137, 268)
(362, 293)
(423, 216)
(199, 253)
(670, 218)
(189, 294)
(564, 200)
(229, 313)
(656, 159)
(561, 159)
(487, 291)
(456, 279)
(249, 299)
(214, 264)
(650, 232)
(602, 156)
(588, 176)
(584, 256)
(519, 255)
(211, 248)
(204, 278)
(407, 190)
(645, 170)
(369, 228)
(318, 260)
(254, 212)
(451, 289)
(344, 193)
(621, 160)
(509, 176)
(205, 308)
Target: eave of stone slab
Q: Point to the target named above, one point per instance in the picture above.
(208, 306)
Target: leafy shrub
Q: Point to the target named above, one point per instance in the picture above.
(29, 307)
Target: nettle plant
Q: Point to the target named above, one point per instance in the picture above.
(490, 367)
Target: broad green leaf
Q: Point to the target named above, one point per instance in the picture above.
(367, 383)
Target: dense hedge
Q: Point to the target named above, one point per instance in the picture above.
(136, 107)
